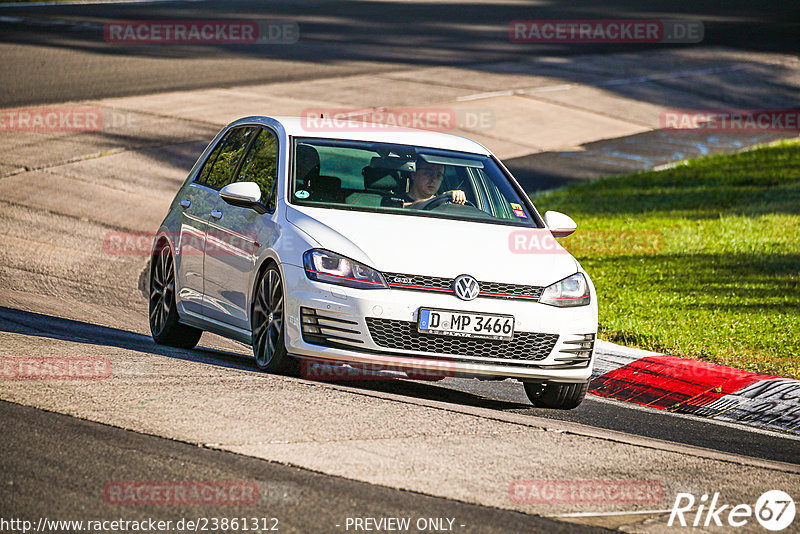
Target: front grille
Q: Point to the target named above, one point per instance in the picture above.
(509, 291)
(403, 335)
(499, 290)
(416, 281)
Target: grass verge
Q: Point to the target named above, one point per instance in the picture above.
(701, 260)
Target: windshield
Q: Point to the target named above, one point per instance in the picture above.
(403, 179)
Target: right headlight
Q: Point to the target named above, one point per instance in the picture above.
(326, 266)
(571, 291)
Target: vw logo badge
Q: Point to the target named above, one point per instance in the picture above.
(466, 287)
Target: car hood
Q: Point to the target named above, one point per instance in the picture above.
(438, 247)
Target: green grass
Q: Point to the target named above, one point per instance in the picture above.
(701, 260)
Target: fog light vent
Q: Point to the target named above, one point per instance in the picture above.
(325, 328)
(578, 351)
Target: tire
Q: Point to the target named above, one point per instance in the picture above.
(267, 319)
(558, 396)
(163, 311)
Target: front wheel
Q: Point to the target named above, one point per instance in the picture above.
(164, 324)
(269, 348)
(558, 396)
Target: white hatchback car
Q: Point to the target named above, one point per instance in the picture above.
(372, 248)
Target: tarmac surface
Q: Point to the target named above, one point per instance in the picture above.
(66, 479)
(66, 293)
(50, 52)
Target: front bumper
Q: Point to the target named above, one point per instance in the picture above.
(548, 336)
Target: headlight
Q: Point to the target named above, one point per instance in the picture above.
(571, 291)
(325, 266)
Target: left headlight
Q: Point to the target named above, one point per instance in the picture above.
(571, 291)
(326, 266)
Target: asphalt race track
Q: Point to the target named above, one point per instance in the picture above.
(301, 500)
(337, 38)
(318, 452)
(506, 396)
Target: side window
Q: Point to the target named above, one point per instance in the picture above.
(261, 166)
(203, 176)
(224, 169)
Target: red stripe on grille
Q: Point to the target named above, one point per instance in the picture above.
(418, 287)
(429, 288)
(507, 295)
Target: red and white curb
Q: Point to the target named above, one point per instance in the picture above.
(686, 386)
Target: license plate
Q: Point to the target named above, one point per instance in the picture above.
(464, 324)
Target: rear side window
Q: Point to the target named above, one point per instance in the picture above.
(261, 165)
(230, 152)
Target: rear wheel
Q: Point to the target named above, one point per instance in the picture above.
(164, 324)
(553, 395)
(269, 348)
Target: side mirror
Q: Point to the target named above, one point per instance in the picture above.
(559, 224)
(243, 195)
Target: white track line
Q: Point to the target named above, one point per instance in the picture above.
(610, 514)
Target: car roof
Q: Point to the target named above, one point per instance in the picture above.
(354, 130)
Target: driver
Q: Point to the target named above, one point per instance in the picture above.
(425, 182)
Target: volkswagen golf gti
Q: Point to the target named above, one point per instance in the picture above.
(372, 247)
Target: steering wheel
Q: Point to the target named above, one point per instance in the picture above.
(438, 200)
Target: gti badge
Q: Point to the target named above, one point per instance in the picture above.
(466, 287)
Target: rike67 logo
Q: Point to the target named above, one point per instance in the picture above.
(774, 510)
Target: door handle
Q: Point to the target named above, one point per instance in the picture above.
(217, 214)
(186, 203)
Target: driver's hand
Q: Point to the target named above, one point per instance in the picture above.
(458, 196)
